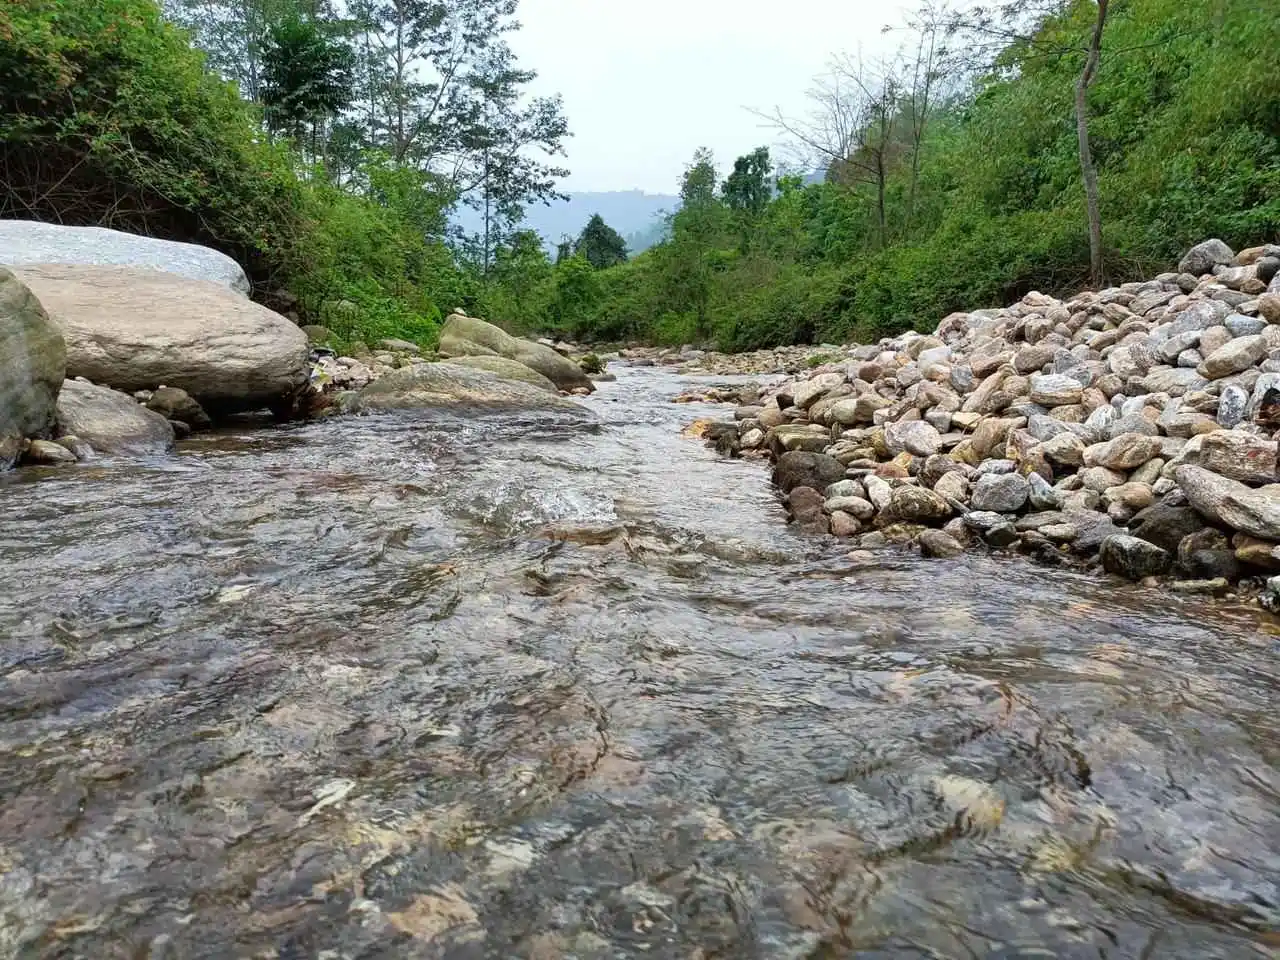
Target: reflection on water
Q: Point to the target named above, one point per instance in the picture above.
(501, 688)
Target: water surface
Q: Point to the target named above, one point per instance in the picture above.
(513, 687)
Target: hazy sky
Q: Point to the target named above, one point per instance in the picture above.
(646, 82)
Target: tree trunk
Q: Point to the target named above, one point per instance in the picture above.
(1089, 172)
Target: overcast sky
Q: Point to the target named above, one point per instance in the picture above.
(646, 82)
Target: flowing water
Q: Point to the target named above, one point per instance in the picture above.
(515, 687)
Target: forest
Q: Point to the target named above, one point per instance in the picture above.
(1047, 145)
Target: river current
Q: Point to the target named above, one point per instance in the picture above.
(418, 687)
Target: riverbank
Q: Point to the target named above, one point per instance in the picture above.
(1131, 429)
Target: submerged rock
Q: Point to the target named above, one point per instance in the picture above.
(1133, 557)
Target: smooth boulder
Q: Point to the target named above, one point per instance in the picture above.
(508, 370)
(470, 337)
(33, 364)
(136, 329)
(454, 387)
(26, 242)
(110, 421)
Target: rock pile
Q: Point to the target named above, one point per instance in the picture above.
(1136, 425)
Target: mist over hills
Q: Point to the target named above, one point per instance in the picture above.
(637, 215)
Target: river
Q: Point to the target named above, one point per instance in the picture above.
(515, 687)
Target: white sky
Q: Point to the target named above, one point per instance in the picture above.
(646, 82)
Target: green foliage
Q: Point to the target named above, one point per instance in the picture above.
(1185, 129)
(306, 76)
(600, 244)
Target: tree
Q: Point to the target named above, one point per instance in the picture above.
(1088, 171)
(600, 244)
(748, 189)
(306, 80)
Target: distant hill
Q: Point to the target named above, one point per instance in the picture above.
(633, 213)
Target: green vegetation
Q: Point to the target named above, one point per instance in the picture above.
(960, 184)
(320, 171)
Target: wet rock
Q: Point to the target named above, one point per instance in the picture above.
(806, 469)
(1231, 503)
(1133, 557)
(1166, 526)
(110, 421)
(452, 387)
(1041, 495)
(914, 505)
(937, 545)
(1216, 587)
(1252, 552)
(1269, 598)
(806, 509)
(78, 447)
(32, 367)
(173, 403)
(47, 453)
(507, 370)
(856, 507)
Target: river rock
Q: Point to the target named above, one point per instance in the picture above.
(913, 436)
(25, 242)
(32, 367)
(806, 510)
(1041, 494)
(453, 387)
(937, 545)
(507, 370)
(1000, 493)
(1234, 356)
(1066, 449)
(806, 393)
(1232, 406)
(914, 505)
(135, 329)
(1124, 452)
(800, 468)
(852, 411)
(463, 336)
(1055, 390)
(175, 404)
(47, 453)
(1231, 503)
(1132, 557)
(110, 421)
(1166, 526)
(1240, 456)
(1203, 257)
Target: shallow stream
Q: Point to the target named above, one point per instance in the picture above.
(516, 687)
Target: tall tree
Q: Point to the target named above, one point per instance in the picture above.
(748, 189)
(600, 244)
(306, 80)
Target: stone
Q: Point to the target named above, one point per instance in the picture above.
(26, 242)
(1232, 406)
(912, 436)
(844, 525)
(110, 421)
(451, 387)
(857, 410)
(1207, 553)
(78, 447)
(1240, 456)
(1133, 557)
(1233, 357)
(1055, 390)
(47, 453)
(1066, 449)
(806, 469)
(173, 403)
(1216, 587)
(1269, 598)
(1252, 552)
(32, 367)
(1041, 495)
(399, 346)
(914, 505)
(797, 436)
(317, 335)
(1132, 496)
(1203, 257)
(1230, 503)
(1000, 493)
(938, 545)
(507, 370)
(134, 329)
(463, 336)
(856, 507)
(1099, 479)
(807, 392)
(844, 488)
(806, 509)
(1269, 306)
(1242, 326)
(953, 486)
(1124, 452)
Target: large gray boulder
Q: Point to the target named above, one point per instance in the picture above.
(110, 421)
(453, 387)
(1203, 257)
(26, 242)
(507, 370)
(138, 329)
(470, 337)
(33, 362)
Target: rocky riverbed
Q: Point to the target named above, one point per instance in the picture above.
(539, 686)
(1133, 428)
